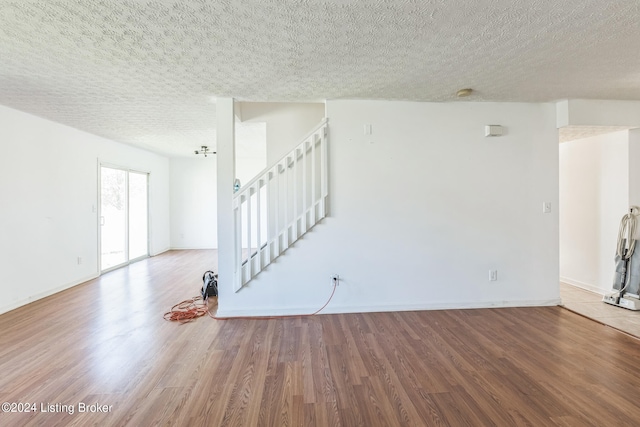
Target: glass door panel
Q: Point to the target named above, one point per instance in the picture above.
(138, 215)
(113, 220)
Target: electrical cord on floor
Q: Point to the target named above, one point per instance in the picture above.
(190, 309)
(187, 310)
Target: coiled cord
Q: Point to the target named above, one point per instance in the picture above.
(626, 243)
(627, 232)
(187, 310)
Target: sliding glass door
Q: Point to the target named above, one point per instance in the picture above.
(124, 217)
(113, 217)
(138, 216)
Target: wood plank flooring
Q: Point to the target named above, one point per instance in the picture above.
(590, 304)
(105, 342)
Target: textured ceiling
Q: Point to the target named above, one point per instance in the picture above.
(571, 133)
(145, 72)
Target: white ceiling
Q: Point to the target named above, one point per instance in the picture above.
(145, 72)
(571, 133)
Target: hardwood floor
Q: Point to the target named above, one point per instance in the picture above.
(590, 304)
(105, 342)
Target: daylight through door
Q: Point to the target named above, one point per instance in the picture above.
(124, 217)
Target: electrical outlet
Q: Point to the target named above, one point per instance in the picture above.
(546, 207)
(493, 275)
(79, 260)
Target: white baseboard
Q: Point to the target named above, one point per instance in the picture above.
(585, 286)
(160, 252)
(190, 248)
(384, 308)
(44, 294)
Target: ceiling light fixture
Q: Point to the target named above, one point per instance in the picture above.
(464, 92)
(204, 150)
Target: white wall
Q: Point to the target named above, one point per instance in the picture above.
(594, 195)
(634, 167)
(598, 112)
(49, 199)
(194, 205)
(250, 149)
(421, 210)
(287, 123)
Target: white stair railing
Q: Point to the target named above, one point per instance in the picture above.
(279, 205)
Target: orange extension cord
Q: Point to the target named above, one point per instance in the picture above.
(190, 309)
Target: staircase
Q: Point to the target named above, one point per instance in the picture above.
(280, 205)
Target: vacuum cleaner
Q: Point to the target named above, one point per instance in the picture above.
(626, 279)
